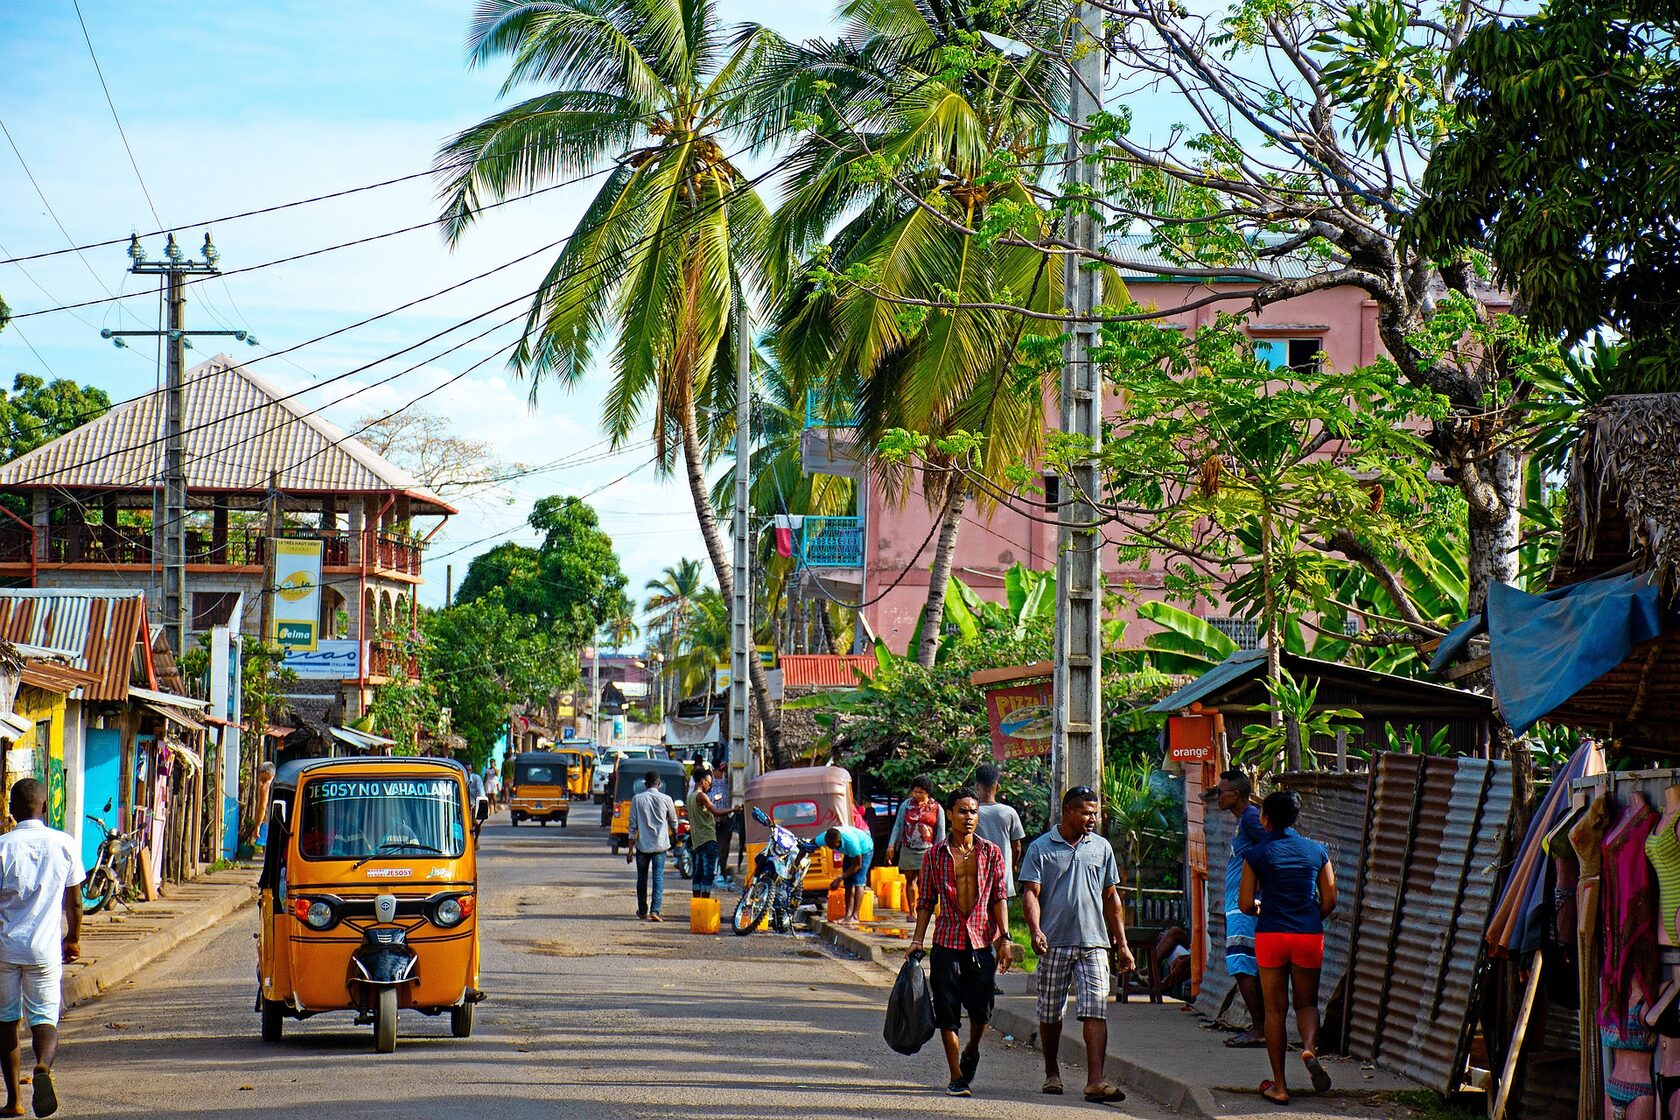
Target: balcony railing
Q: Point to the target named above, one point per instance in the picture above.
(242, 547)
(831, 542)
(386, 659)
(820, 414)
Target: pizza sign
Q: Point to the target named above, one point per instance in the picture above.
(1022, 717)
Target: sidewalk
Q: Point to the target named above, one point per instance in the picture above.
(120, 941)
(1161, 1050)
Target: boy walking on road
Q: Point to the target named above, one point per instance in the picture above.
(999, 823)
(40, 870)
(964, 879)
(1070, 897)
(653, 823)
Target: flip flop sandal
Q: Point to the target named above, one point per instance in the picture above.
(46, 1101)
(1105, 1094)
(1239, 1042)
(1052, 1086)
(1320, 1076)
(1265, 1091)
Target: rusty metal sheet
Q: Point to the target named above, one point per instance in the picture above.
(1435, 829)
(101, 628)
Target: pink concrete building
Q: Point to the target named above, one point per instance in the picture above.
(882, 556)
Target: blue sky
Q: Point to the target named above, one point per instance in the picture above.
(229, 107)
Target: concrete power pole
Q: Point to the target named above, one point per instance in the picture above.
(1076, 744)
(740, 607)
(169, 516)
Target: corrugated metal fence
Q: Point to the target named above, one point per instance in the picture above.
(1434, 833)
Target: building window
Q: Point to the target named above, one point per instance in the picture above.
(1302, 355)
(212, 608)
(1243, 631)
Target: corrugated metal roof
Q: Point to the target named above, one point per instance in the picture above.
(102, 626)
(239, 430)
(56, 678)
(1246, 663)
(1140, 249)
(1434, 833)
(825, 670)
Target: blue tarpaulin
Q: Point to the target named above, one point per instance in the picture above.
(1546, 648)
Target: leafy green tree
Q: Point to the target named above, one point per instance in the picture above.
(514, 568)
(654, 92)
(37, 411)
(480, 659)
(1561, 166)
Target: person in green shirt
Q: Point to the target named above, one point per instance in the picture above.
(857, 851)
(703, 817)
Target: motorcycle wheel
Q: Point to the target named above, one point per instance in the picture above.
(755, 900)
(461, 1021)
(685, 863)
(273, 1020)
(385, 1021)
(98, 892)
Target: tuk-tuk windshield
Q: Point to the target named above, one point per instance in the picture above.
(539, 774)
(399, 818)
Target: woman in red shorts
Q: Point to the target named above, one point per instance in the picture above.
(1288, 883)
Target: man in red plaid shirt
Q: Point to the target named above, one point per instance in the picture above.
(963, 877)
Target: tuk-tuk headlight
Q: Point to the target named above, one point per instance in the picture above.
(451, 910)
(316, 913)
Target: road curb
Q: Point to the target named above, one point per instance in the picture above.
(106, 973)
(1178, 1095)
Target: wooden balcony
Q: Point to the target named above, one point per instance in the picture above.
(117, 547)
(386, 660)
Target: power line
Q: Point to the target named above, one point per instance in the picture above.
(42, 195)
(97, 69)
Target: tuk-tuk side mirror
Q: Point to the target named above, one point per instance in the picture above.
(277, 813)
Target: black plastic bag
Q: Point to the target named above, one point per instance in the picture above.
(909, 1009)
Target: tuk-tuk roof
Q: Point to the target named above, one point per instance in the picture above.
(288, 775)
(778, 784)
(538, 757)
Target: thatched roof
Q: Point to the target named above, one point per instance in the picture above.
(1624, 491)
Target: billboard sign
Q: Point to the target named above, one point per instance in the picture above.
(1021, 718)
(330, 660)
(297, 593)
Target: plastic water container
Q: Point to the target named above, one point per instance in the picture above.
(703, 915)
(866, 906)
(836, 904)
(892, 894)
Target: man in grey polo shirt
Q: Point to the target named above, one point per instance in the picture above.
(1070, 897)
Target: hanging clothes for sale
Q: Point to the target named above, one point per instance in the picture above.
(1628, 979)
(1587, 840)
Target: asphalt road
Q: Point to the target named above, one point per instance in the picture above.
(591, 1014)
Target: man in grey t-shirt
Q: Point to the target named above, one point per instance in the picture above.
(653, 828)
(1000, 824)
(1070, 887)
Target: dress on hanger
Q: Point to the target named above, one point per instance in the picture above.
(1628, 979)
(1587, 838)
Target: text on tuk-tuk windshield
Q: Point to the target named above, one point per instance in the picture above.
(399, 817)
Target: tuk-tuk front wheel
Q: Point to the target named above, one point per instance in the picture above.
(385, 1021)
(461, 1020)
(273, 1020)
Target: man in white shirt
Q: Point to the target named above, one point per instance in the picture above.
(40, 871)
(653, 825)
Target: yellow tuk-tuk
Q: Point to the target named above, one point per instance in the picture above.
(580, 769)
(541, 781)
(627, 783)
(807, 801)
(369, 894)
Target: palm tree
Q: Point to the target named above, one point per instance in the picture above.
(650, 92)
(673, 597)
(901, 103)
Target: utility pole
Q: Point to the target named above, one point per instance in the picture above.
(740, 607)
(169, 517)
(1076, 743)
(595, 696)
(271, 534)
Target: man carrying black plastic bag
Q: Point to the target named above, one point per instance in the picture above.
(909, 1009)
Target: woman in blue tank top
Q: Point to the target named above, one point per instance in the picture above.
(1288, 883)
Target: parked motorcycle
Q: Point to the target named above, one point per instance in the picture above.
(112, 877)
(683, 851)
(778, 882)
